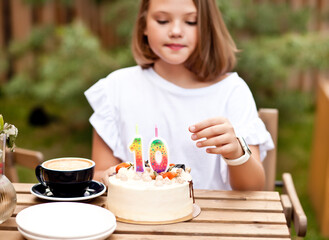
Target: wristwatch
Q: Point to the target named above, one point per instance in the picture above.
(244, 158)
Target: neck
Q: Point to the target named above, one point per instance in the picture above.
(181, 76)
(177, 74)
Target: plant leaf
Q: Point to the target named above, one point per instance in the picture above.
(1, 123)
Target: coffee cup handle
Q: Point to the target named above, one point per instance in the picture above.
(38, 174)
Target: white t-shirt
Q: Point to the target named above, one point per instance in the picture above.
(139, 96)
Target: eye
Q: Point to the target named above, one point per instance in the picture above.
(162, 21)
(192, 23)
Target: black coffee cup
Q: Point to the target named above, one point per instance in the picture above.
(67, 176)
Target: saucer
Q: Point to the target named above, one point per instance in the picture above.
(94, 190)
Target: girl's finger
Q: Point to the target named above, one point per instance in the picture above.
(215, 150)
(210, 132)
(214, 141)
(206, 123)
(213, 131)
(223, 150)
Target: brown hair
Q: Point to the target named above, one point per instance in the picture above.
(215, 51)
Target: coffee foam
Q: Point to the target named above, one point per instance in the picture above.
(67, 164)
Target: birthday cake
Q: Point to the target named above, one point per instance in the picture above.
(151, 197)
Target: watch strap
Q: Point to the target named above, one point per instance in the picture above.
(241, 160)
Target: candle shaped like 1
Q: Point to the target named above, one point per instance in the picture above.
(158, 154)
(137, 147)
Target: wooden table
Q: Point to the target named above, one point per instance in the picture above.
(224, 215)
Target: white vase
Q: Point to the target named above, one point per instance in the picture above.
(7, 191)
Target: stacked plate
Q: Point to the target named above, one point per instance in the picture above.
(65, 220)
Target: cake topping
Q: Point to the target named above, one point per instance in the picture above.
(174, 174)
(123, 165)
(169, 175)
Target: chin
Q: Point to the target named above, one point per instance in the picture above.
(175, 61)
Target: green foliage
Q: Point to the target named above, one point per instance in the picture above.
(10, 131)
(2, 123)
(266, 63)
(36, 42)
(274, 41)
(67, 60)
(42, 2)
(122, 14)
(266, 18)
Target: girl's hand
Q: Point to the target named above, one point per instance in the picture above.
(106, 174)
(218, 136)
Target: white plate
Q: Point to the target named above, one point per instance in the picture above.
(66, 220)
(95, 189)
(36, 237)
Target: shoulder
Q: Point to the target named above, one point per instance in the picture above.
(233, 83)
(235, 80)
(115, 80)
(240, 102)
(126, 72)
(121, 77)
(126, 76)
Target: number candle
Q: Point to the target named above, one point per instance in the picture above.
(136, 146)
(158, 154)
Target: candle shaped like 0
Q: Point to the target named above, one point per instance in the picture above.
(137, 146)
(158, 154)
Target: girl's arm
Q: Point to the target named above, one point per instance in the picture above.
(103, 156)
(250, 175)
(218, 136)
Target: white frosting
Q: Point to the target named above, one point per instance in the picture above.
(135, 196)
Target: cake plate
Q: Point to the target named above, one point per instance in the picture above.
(194, 214)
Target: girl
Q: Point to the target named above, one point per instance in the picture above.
(182, 84)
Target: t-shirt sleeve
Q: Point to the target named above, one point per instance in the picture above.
(243, 115)
(101, 97)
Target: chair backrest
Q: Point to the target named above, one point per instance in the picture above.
(23, 157)
(270, 117)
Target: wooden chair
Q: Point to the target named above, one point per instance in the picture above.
(23, 157)
(290, 201)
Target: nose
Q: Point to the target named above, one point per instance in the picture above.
(176, 30)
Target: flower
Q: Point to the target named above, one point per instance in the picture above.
(10, 131)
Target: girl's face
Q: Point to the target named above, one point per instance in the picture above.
(171, 29)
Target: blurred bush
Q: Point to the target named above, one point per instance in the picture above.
(66, 60)
(275, 42)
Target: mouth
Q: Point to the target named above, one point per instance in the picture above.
(175, 46)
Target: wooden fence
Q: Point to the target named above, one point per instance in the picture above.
(319, 166)
(18, 18)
